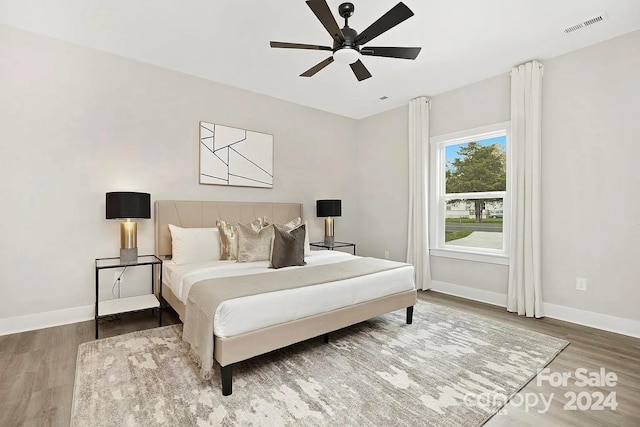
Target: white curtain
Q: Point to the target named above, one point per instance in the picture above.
(418, 232)
(524, 294)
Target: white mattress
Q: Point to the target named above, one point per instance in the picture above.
(240, 315)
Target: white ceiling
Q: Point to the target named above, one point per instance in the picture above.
(227, 41)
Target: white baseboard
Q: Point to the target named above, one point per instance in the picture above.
(30, 322)
(489, 297)
(594, 320)
(568, 314)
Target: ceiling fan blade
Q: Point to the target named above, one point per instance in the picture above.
(360, 70)
(392, 52)
(396, 15)
(311, 71)
(323, 13)
(286, 45)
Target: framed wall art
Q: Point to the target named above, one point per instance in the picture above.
(235, 157)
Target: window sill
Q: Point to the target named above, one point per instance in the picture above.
(470, 256)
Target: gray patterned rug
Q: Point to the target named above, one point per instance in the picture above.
(380, 372)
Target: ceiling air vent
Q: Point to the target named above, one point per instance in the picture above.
(573, 28)
(592, 21)
(585, 23)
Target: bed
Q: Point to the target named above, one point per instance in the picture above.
(250, 326)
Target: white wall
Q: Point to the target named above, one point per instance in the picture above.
(383, 178)
(590, 179)
(76, 123)
(589, 164)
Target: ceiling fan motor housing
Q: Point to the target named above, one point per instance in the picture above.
(346, 52)
(349, 39)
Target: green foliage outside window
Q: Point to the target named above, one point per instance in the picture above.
(477, 168)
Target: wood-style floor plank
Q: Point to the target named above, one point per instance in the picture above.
(37, 369)
(590, 348)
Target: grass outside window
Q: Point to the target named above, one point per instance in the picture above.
(472, 220)
(455, 235)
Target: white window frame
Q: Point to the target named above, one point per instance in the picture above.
(438, 197)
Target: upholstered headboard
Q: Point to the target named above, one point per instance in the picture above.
(189, 214)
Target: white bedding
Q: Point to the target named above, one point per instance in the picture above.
(240, 315)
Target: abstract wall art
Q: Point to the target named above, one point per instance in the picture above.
(235, 157)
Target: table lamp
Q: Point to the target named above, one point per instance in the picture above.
(128, 205)
(328, 209)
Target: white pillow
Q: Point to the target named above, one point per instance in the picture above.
(194, 244)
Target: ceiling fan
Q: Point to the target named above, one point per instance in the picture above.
(347, 43)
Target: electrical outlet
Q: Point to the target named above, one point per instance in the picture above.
(581, 284)
(386, 254)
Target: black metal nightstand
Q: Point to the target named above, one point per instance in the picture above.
(334, 245)
(136, 303)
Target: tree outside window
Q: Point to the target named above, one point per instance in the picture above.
(478, 168)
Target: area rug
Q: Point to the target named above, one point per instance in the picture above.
(379, 372)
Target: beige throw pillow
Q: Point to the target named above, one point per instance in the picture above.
(228, 240)
(229, 236)
(295, 223)
(254, 245)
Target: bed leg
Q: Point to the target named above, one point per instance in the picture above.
(226, 372)
(409, 315)
(326, 338)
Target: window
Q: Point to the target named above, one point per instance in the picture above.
(470, 194)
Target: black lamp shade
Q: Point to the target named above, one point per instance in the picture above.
(127, 204)
(326, 208)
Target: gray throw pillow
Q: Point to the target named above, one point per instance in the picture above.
(288, 247)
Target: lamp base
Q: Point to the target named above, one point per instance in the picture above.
(328, 231)
(128, 255)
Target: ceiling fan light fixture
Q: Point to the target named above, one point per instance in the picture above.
(346, 55)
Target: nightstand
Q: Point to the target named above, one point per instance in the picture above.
(129, 304)
(334, 245)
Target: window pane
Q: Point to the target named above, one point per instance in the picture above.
(474, 223)
(476, 166)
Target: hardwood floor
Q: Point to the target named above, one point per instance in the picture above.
(591, 349)
(37, 369)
